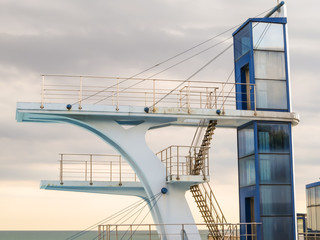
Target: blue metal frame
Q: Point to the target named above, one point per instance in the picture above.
(248, 59)
(315, 184)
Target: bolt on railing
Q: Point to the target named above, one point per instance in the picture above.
(79, 90)
(95, 167)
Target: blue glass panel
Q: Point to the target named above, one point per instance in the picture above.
(273, 138)
(274, 169)
(246, 141)
(276, 200)
(277, 228)
(247, 171)
(242, 42)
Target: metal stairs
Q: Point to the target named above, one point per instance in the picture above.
(202, 193)
(204, 148)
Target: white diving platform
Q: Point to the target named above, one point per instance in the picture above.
(134, 115)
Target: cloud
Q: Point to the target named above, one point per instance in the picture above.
(122, 38)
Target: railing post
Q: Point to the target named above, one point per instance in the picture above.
(85, 171)
(61, 169)
(117, 108)
(91, 169)
(188, 97)
(42, 93)
(80, 94)
(110, 171)
(178, 176)
(120, 183)
(131, 231)
(170, 163)
(215, 98)
(154, 93)
(116, 232)
(222, 98)
(149, 232)
(182, 232)
(145, 99)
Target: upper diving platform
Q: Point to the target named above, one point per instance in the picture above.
(131, 101)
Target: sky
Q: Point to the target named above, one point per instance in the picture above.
(122, 38)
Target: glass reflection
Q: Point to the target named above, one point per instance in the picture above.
(268, 36)
(273, 138)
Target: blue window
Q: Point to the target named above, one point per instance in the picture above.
(275, 168)
(247, 171)
(246, 141)
(273, 138)
(242, 42)
(277, 228)
(276, 200)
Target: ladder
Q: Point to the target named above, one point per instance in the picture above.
(202, 193)
(204, 148)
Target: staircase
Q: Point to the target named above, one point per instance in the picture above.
(204, 148)
(202, 193)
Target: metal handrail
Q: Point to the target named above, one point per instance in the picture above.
(149, 231)
(117, 92)
(95, 167)
(179, 162)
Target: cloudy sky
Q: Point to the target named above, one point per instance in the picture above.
(121, 38)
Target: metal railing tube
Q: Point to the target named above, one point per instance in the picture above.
(117, 95)
(61, 169)
(91, 182)
(42, 93)
(120, 183)
(178, 176)
(80, 94)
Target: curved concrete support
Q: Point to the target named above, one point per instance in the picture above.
(169, 208)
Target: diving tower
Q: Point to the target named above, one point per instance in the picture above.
(121, 110)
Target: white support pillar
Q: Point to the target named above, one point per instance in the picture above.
(172, 207)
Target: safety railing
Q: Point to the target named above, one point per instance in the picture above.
(309, 236)
(95, 167)
(228, 231)
(79, 90)
(179, 161)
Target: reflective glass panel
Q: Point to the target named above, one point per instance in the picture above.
(313, 218)
(271, 94)
(312, 196)
(246, 141)
(276, 200)
(269, 65)
(273, 138)
(277, 228)
(317, 195)
(268, 36)
(242, 42)
(309, 220)
(274, 169)
(247, 171)
(318, 218)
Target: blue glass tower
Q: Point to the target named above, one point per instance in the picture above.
(265, 161)
(313, 207)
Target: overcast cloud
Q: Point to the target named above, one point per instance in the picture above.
(121, 38)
